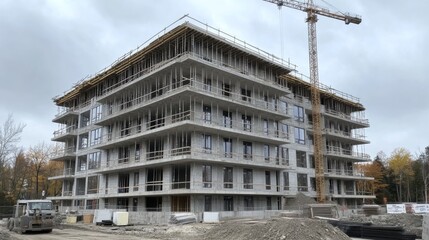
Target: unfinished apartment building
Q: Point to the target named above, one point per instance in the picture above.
(199, 121)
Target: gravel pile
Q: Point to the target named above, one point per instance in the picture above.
(280, 228)
(410, 222)
(299, 202)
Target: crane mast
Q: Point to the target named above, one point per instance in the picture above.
(312, 12)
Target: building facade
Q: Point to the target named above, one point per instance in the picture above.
(199, 121)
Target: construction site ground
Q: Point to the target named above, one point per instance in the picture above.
(278, 228)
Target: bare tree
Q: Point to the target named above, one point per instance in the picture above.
(19, 176)
(10, 135)
(39, 156)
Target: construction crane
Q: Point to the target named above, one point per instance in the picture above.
(312, 12)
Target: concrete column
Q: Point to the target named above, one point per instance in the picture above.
(167, 180)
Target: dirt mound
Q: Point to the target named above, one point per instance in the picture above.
(299, 202)
(280, 228)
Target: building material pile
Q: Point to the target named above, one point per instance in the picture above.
(410, 222)
(370, 231)
(183, 218)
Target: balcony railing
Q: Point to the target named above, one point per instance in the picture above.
(193, 185)
(343, 172)
(347, 117)
(188, 83)
(64, 172)
(64, 131)
(64, 152)
(197, 118)
(346, 153)
(65, 110)
(67, 193)
(344, 134)
(197, 153)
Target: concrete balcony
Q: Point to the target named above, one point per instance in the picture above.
(187, 57)
(64, 154)
(353, 194)
(65, 114)
(337, 152)
(192, 187)
(192, 88)
(64, 133)
(355, 121)
(346, 174)
(193, 154)
(194, 121)
(67, 173)
(349, 137)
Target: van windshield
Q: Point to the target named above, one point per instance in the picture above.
(40, 205)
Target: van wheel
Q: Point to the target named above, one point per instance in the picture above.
(10, 224)
(48, 231)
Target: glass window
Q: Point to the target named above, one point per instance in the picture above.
(266, 126)
(123, 183)
(247, 123)
(301, 159)
(282, 107)
(96, 114)
(267, 180)
(286, 181)
(92, 185)
(227, 147)
(248, 203)
(154, 179)
(95, 137)
(207, 203)
(247, 150)
(246, 95)
(284, 130)
(302, 182)
(228, 203)
(298, 113)
(312, 162)
(227, 119)
(299, 135)
(207, 114)
(226, 89)
(136, 181)
(207, 176)
(207, 141)
(284, 155)
(247, 178)
(227, 177)
(181, 176)
(94, 160)
(207, 84)
(313, 183)
(123, 154)
(137, 152)
(266, 153)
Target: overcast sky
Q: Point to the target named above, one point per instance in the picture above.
(47, 46)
